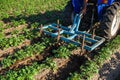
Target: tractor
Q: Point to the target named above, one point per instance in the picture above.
(107, 13)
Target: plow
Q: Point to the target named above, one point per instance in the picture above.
(108, 12)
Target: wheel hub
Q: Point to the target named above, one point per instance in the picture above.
(115, 23)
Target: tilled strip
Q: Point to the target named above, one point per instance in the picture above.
(12, 49)
(28, 61)
(20, 27)
(64, 67)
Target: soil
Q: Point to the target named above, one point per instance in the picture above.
(11, 50)
(64, 67)
(118, 77)
(20, 63)
(29, 60)
(20, 27)
(110, 70)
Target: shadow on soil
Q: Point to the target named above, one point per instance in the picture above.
(73, 65)
(45, 18)
(111, 69)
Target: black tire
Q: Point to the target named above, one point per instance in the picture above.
(110, 23)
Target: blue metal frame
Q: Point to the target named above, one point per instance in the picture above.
(73, 33)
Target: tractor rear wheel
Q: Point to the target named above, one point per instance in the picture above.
(110, 24)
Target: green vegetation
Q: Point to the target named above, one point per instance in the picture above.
(14, 13)
(62, 52)
(91, 67)
(13, 41)
(16, 40)
(21, 54)
(29, 7)
(27, 72)
(17, 23)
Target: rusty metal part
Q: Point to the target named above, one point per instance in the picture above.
(58, 23)
(41, 29)
(83, 44)
(58, 37)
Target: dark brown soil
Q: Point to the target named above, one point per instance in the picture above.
(20, 63)
(118, 77)
(11, 50)
(64, 71)
(29, 60)
(110, 70)
(64, 67)
(20, 27)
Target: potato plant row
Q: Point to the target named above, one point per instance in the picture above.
(11, 24)
(27, 72)
(16, 40)
(21, 54)
(27, 51)
(91, 67)
(10, 30)
(10, 42)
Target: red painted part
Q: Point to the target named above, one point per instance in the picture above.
(104, 1)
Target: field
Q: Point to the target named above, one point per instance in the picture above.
(27, 55)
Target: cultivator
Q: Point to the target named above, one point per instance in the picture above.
(73, 35)
(107, 14)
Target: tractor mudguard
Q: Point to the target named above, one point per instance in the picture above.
(101, 7)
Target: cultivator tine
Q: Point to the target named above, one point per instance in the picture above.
(94, 29)
(58, 37)
(83, 44)
(58, 23)
(93, 33)
(41, 29)
(58, 26)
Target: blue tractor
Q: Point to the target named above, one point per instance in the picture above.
(108, 20)
(108, 12)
